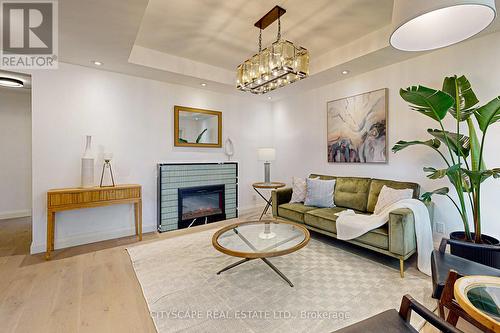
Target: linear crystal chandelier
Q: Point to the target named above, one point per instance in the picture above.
(275, 66)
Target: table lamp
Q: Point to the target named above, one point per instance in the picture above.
(267, 155)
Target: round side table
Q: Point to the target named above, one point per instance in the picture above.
(266, 186)
(479, 296)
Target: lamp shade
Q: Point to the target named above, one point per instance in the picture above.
(266, 154)
(107, 156)
(10, 82)
(424, 25)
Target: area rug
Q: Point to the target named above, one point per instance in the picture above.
(333, 288)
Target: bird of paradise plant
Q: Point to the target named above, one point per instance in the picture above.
(464, 154)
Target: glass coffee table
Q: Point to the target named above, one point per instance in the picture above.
(260, 240)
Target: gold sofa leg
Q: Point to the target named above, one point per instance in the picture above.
(402, 267)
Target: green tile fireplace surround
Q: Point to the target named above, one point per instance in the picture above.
(173, 178)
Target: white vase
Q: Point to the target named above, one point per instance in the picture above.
(229, 148)
(88, 164)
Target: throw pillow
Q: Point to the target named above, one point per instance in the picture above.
(389, 196)
(298, 190)
(319, 193)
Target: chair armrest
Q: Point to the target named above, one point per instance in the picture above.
(279, 197)
(402, 239)
(442, 245)
(408, 304)
(445, 241)
(442, 263)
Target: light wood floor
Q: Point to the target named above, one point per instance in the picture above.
(89, 288)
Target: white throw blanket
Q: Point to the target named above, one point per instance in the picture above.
(351, 225)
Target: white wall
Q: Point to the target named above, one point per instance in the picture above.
(300, 123)
(132, 118)
(15, 152)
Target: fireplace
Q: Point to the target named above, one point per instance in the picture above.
(200, 205)
(174, 176)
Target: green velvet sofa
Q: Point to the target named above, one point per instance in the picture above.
(396, 238)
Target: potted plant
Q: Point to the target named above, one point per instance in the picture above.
(463, 155)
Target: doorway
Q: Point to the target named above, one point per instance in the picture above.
(15, 163)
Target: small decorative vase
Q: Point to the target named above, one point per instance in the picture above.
(229, 148)
(88, 164)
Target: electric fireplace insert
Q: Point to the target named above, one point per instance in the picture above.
(200, 205)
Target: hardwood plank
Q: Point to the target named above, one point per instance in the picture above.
(65, 308)
(37, 310)
(15, 299)
(88, 288)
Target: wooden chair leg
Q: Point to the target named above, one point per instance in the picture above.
(441, 310)
(446, 299)
(452, 318)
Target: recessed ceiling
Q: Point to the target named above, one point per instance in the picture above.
(191, 41)
(222, 34)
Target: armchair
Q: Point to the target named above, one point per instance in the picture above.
(442, 263)
(392, 321)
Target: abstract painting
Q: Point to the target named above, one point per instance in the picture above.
(357, 127)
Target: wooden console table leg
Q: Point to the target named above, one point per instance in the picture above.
(138, 219)
(51, 218)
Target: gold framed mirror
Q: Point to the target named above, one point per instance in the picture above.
(197, 127)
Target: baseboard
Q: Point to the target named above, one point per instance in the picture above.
(15, 214)
(94, 237)
(89, 238)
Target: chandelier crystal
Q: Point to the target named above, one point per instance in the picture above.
(278, 65)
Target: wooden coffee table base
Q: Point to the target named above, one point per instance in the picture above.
(274, 268)
(292, 237)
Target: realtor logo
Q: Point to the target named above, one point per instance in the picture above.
(29, 34)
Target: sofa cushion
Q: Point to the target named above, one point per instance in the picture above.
(389, 196)
(319, 193)
(352, 192)
(322, 177)
(298, 190)
(294, 211)
(377, 237)
(323, 218)
(377, 184)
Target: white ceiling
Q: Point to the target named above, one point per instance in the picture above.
(193, 41)
(222, 33)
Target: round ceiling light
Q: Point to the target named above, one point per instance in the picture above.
(428, 24)
(11, 83)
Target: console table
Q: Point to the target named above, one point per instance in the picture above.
(77, 198)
